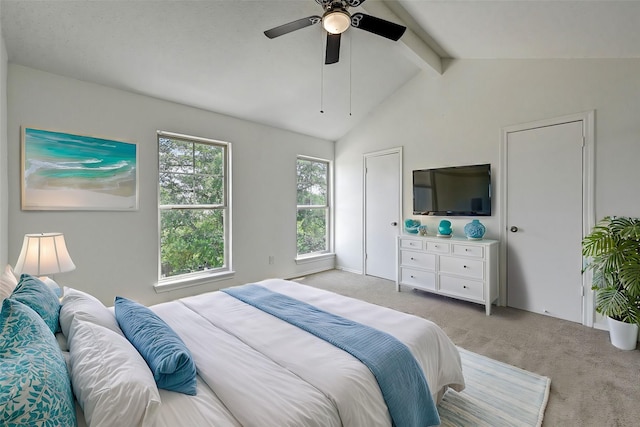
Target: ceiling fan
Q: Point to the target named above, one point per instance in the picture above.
(336, 20)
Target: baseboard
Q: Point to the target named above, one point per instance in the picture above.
(348, 270)
(310, 271)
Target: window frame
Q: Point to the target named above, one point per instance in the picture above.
(198, 277)
(328, 207)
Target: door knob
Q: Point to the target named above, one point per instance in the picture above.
(514, 229)
(394, 223)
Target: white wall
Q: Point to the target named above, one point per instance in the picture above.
(456, 119)
(116, 253)
(4, 174)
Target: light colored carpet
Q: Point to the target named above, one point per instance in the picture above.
(592, 382)
(496, 395)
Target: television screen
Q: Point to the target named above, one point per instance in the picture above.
(461, 190)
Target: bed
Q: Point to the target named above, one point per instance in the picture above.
(253, 369)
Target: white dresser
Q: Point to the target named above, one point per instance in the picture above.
(455, 267)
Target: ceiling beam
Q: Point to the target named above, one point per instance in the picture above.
(415, 48)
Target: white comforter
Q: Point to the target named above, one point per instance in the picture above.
(257, 370)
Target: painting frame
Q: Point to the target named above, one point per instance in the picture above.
(64, 171)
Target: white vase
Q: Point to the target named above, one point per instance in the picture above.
(623, 335)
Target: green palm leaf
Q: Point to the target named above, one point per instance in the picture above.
(612, 302)
(630, 277)
(613, 252)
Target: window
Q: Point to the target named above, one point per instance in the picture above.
(193, 205)
(313, 220)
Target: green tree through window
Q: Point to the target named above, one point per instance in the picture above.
(193, 204)
(313, 206)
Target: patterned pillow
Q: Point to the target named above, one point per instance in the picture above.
(34, 382)
(40, 298)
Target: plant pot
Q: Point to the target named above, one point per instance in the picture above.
(623, 335)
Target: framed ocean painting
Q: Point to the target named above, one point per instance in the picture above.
(63, 171)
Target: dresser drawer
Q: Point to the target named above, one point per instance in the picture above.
(462, 288)
(418, 278)
(462, 267)
(438, 247)
(418, 259)
(468, 250)
(411, 244)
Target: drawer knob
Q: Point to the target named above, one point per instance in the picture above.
(464, 286)
(412, 276)
(464, 266)
(466, 249)
(413, 259)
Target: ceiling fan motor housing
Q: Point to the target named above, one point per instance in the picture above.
(328, 4)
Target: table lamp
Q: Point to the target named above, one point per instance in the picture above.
(43, 254)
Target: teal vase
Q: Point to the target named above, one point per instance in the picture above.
(474, 230)
(444, 229)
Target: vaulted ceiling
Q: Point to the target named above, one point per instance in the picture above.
(213, 54)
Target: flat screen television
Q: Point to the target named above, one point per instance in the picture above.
(449, 191)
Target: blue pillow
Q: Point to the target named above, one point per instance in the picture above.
(34, 382)
(32, 292)
(168, 357)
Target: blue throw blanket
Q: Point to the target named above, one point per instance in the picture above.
(401, 380)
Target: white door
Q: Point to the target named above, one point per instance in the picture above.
(544, 220)
(383, 178)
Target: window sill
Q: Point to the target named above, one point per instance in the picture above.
(167, 285)
(305, 259)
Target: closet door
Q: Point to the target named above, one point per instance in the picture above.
(544, 220)
(382, 212)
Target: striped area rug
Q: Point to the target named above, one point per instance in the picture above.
(496, 395)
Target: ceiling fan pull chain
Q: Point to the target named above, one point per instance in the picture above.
(321, 73)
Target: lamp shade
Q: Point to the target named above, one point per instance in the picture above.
(44, 254)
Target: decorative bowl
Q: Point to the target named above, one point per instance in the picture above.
(411, 226)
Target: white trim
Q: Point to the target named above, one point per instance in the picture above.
(225, 271)
(306, 259)
(301, 274)
(348, 270)
(228, 240)
(588, 208)
(181, 282)
(395, 150)
(588, 195)
(329, 206)
(190, 138)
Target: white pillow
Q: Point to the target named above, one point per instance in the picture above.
(110, 379)
(8, 282)
(79, 304)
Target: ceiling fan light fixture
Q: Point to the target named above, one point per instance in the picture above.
(336, 21)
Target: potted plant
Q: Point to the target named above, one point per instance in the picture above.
(613, 252)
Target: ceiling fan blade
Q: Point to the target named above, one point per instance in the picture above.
(333, 49)
(292, 26)
(377, 26)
